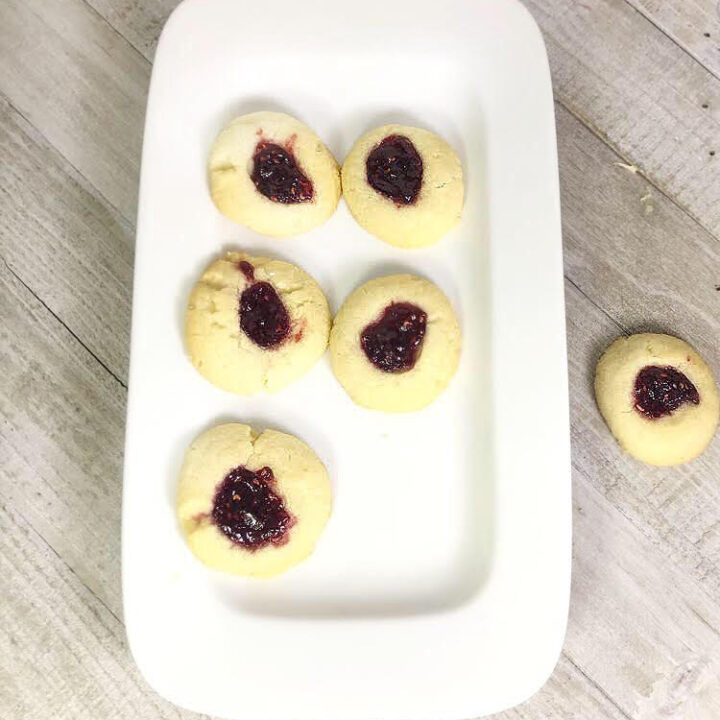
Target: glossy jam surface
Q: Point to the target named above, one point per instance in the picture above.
(393, 342)
(395, 169)
(247, 510)
(276, 175)
(263, 315)
(659, 391)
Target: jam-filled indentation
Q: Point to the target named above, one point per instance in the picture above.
(248, 511)
(277, 175)
(393, 342)
(394, 169)
(263, 315)
(659, 391)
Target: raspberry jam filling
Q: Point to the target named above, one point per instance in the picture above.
(395, 169)
(276, 175)
(247, 510)
(393, 342)
(263, 315)
(659, 391)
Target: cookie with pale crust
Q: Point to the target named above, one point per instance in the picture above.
(255, 324)
(658, 397)
(404, 185)
(271, 173)
(252, 503)
(395, 343)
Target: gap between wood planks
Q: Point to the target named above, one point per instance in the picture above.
(594, 684)
(59, 320)
(640, 7)
(594, 304)
(662, 30)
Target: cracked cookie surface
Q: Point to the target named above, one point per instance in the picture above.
(249, 503)
(255, 324)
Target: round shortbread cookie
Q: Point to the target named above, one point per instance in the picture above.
(658, 397)
(271, 173)
(403, 185)
(254, 324)
(395, 343)
(249, 503)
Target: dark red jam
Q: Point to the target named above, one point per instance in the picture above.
(277, 176)
(393, 342)
(659, 391)
(248, 511)
(263, 315)
(395, 169)
(247, 270)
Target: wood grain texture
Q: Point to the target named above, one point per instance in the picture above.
(139, 21)
(82, 86)
(641, 252)
(693, 24)
(569, 695)
(639, 618)
(649, 267)
(62, 644)
(642, 92)
(62, 440)
(65, 242)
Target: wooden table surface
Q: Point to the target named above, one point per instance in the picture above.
(637, 97)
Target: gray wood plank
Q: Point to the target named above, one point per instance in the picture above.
(641, 92)
(62, 439)
(82, 86)
(139, 21)
(644, 623)
(642, 631)
(692, 24)
(62, 643)
(64, 242)
(649, 267)
(62, 652)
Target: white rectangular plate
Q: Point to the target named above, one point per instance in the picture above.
(439, 588)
